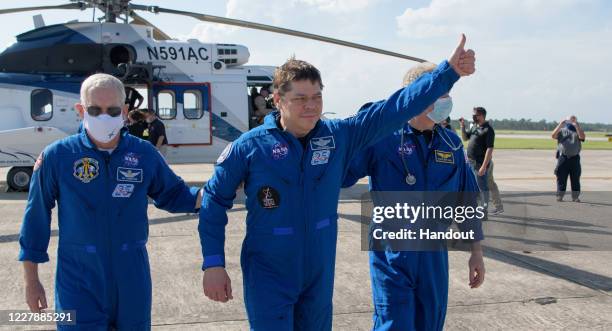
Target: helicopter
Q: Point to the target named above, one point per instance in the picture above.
(202, 92)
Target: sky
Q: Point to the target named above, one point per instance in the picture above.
(536, 59)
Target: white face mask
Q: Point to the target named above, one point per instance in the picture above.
(102, 128)
(442, 109)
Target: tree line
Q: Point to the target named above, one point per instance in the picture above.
(541, 125)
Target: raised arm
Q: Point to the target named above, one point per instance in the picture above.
(581, 134)
(556, 131)
(382, 118)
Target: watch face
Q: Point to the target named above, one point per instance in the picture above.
(410, 180)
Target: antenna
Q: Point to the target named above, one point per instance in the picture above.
(38, 21)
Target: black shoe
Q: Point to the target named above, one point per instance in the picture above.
(576, 200)
(559, 199)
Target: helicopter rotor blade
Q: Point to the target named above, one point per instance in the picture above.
(270, 28)
(157, 33)
(76, 5)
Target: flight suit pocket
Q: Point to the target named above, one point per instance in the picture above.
(80, 278)
(272, 254)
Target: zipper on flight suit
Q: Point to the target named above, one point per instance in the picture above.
(111, 291)
(301, 149)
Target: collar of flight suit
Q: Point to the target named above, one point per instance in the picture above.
(408, 129)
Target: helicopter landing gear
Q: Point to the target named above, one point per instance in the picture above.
(18, 178)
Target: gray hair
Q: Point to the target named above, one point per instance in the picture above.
(417, 71)
(101, 81)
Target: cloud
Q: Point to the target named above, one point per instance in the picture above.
(493, 18)
(341, 6)
(535, 59)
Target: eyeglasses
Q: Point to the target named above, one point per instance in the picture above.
(303, 100)
(111, 111)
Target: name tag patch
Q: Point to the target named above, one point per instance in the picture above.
(123, 191)
(320, 157)
(444, 157)
(132, 175)
(319, 143)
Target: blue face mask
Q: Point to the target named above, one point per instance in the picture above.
(441, 110)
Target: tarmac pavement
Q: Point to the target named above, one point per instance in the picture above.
(544, 289)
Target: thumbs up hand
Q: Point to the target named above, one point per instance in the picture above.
(462, 61)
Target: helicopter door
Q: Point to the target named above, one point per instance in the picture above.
(185, 110)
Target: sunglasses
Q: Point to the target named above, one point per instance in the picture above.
(111, 111)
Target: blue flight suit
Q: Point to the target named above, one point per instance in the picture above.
(410, 288)
(102, 267)
(288, 254)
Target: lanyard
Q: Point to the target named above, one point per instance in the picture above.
(446, 140)
(410, 178)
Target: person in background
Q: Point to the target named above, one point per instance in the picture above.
(569, 136)
(480, 154)
(446, 123)
(156, 132)
(137, 124)
(261, 102)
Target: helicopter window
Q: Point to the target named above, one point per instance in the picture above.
(41, 101)
(166, 105)
(192, 105)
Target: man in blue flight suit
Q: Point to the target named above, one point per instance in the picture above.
(410, 287)
(101, 179)
(292, 167)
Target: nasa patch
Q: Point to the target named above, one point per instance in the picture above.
(86, 169)
(225, 153)
(406, 149)
(320, 157)
(129, 175)
(268, 197)
(280, 151)
(123, 190)
(319, 143)
(131, 159)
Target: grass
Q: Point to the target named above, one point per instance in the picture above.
(545, 142)
(521, 143)
(548, 133)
